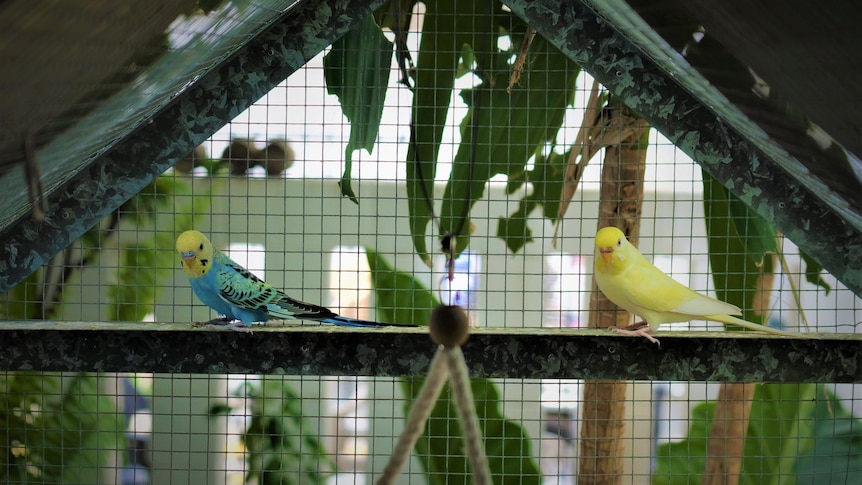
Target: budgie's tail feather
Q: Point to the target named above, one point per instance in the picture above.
(354, 322)
(754, 326)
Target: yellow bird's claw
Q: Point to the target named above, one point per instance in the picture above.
(637, 330)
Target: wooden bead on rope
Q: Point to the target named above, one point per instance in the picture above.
(449, 325)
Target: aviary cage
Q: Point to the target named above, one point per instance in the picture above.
(383, 129)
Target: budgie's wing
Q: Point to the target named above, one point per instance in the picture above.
(652, 289)
(237, 286)
(245, 290)
(702, 305)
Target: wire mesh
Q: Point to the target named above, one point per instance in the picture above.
(265, 189)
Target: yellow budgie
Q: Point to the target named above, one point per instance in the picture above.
(634, 284)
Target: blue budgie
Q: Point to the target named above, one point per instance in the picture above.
(241, 298)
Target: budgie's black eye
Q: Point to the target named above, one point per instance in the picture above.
(202, 246)
(619, 242)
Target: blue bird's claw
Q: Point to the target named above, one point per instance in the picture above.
(224, 323)
(239, 327)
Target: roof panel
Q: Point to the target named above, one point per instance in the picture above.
(185, 48)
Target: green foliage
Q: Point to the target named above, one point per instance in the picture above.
(780, 429)
(282, 446)
(23, 301)
(448, 28)
(547, 180)
(402, 299)
(501, 131)
(682, 462)
(56, 428)
(739, 241)
(357, 71)
(146, 263)
(813, 273)
(399, 297)
(759, 237)
(836, 453)
(59, 428)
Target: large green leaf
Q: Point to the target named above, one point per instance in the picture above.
(400, 298)
(357, 71)
(836, 454)
(759, 237)
(735, 261)
(448, 26)
(508, 129)
(739, 241)
(779, 430)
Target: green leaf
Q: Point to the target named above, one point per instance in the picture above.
(400, 298)
(758, 236)
(836, 454)
(546, 179)
(219, 408)
(780, 430)
(511, 129)
(813, 272)
(735, 262)
(682, 462)
(514, 229)
(357, 71)
(449, 25)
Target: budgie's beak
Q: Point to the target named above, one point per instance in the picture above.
(607, 254)
(187, 255)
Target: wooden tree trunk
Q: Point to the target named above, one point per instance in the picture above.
(727, 438)
(726, 447)
(621, 197)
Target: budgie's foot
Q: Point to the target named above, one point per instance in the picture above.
(220, 321)
(238, 327)
(224, 323)
(638, 329)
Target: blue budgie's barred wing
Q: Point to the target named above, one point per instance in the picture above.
(239, 287)
(245, 290)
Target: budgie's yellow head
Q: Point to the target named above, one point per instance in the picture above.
(611, 246)
(196, 253)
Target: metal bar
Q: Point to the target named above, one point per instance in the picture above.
(330, 350)
(198, 112)
(729, 155)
